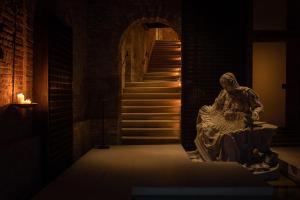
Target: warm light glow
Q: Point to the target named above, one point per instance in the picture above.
(175, 74)
(179, 83)
(27, 101)
(21, 99)
(269, 73)
(178, 58)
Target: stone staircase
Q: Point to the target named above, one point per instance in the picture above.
(151, 109)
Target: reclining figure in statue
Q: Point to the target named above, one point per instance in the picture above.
(229, 129)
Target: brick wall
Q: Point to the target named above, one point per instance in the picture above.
(107, 21)
(17, 52)
(23, 51)
(18, 141)
(20, 150)
(213, 42)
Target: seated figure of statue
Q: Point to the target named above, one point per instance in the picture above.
(229, 129)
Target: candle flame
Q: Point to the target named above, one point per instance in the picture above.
(21, 99)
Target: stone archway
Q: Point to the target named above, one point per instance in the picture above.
(149, 66)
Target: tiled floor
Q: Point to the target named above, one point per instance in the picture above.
(114, 173)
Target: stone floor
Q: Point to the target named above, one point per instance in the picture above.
(288, 185)
(122, 172)
(289, 155)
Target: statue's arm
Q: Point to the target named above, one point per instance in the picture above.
(255, 104)
(219, 101)
(217, 105)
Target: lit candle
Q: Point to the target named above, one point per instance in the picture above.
(20, 98)
(27, 101)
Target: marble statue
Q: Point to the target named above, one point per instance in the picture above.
(229, 130)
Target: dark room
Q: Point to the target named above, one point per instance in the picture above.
(149, 99)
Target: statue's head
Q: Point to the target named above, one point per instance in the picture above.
(229, 82)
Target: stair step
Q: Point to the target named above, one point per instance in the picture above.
(164, 65)
(150, 116)
(165, 69)
(165, 58)
(166, 45)
(150, 140)
(168, 63)
(151, 102)
(151, 89)
(152, 84)
(157, 75)
(151, 124)
(167, 42)
(162, 74)
(171, 52)
(167, 50)
(175, 41)
(151, 95)
(150, 131)
(159, 78)
(150, 109)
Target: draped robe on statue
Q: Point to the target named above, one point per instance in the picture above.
(225, 130)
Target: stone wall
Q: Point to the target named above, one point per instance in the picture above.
(19, 57)
(16, 41)
(213, 42)
(167, 34)
(135, 50)
(82, 135)
(107, 21)
(20, 151)
(21, 148)
(292, 71)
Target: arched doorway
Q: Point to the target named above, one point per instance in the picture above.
(150, 70)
